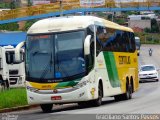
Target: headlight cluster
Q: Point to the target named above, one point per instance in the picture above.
(154, 73)
(82, 83)
(32, 89)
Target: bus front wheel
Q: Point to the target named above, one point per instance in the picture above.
(98, 101)
(46, 108)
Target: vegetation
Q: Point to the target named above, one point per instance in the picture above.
(9, 27)
(149, 38)
(13, 98)
(154, 27)
(127, 13)
(28, 24)
(11, 5)
(4, 5)
(120, 21)
(29, 2)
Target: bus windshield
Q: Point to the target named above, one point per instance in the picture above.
(55, 56)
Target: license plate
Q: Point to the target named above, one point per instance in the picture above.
(148, 76)
(56, 98)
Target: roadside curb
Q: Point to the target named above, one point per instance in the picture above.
(26, 107)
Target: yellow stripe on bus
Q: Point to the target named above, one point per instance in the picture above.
(43, 86)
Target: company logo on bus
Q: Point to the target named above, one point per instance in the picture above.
(124, 60)
(46, 86)
(55, 91)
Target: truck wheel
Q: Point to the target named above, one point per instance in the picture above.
(1, 86)
(46, 108)
(7, 84)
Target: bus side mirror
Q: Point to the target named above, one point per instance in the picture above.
(87, 45)
(17, 51)
(138, 53)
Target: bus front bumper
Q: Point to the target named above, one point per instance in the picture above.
(44, 97)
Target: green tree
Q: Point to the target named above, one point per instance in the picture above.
(13, 5)
(29, 3)
(4, 5)
(28, 24)
(154, 26)
(147, 30)
(9, 27)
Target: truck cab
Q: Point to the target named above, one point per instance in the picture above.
(12, 73)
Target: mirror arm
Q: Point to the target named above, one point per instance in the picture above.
(17, 50)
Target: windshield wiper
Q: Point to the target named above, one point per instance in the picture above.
(37, 52)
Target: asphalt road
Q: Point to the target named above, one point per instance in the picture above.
(145, 101)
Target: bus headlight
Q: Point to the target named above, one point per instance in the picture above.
(32, 89)
(82, 83)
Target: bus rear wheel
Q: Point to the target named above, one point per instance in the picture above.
(128, 94)
(46, 108)
(125, 96)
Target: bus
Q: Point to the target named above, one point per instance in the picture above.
(79, 59)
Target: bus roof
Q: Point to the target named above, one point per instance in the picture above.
(59, 24)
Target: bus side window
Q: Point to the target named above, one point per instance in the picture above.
(133, 42)
(99, 39)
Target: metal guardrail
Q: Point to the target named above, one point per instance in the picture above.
(67, 5)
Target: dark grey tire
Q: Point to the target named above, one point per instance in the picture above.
(98, 101)
(85, 104)
(46, 108)
(128, 94)
(118, 97)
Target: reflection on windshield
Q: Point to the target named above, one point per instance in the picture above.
(55, 56)
(147, 68)
(69, 54)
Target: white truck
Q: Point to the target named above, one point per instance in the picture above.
(12, 74)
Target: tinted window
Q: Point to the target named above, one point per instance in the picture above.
(114, 40)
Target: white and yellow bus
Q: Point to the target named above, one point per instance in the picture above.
(79, 59)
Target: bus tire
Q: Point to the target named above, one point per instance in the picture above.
(128, 94)
(98, 101)
(84, 104)
(46, 108)
(118, 97)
